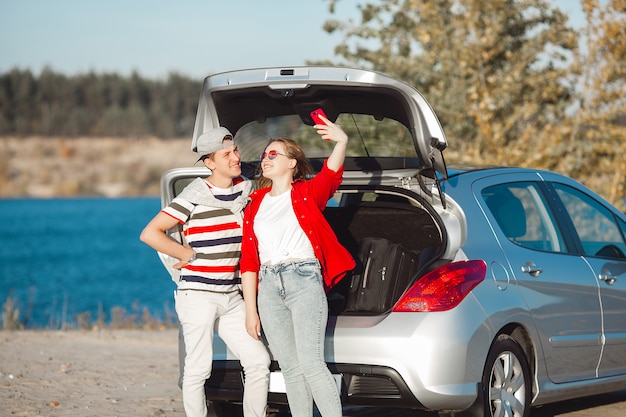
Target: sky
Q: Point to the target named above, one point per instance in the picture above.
(154, 38)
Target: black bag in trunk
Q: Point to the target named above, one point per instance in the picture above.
(387, 269)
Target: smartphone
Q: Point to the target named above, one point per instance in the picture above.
(315, 115)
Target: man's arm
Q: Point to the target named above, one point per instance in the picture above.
(155, 236)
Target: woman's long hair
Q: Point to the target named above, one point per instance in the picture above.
(303, 168)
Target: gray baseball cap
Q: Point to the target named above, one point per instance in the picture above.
(213, 140)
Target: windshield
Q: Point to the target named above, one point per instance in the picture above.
(367, 137)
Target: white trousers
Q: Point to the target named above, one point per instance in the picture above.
(200, 314)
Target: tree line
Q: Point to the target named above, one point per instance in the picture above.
(96, 105)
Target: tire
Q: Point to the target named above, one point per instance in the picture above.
(506, 381)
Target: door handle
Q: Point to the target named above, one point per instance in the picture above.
(531, 269)
(609, 279)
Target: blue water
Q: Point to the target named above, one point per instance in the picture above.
(63, 257)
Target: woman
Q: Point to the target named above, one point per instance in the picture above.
(291, 249)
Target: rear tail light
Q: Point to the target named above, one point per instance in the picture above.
(442, 289)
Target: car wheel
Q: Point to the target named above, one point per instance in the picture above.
(224, 409)
(506, 380)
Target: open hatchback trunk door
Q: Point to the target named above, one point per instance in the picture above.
(385, 119)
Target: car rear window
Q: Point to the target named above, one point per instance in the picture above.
(367, 137)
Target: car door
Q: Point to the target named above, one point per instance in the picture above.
(558, 287)
(601, 235)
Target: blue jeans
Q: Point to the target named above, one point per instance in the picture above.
(294, 311)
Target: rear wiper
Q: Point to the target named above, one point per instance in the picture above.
(360, 135)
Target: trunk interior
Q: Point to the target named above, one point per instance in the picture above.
(393, 238)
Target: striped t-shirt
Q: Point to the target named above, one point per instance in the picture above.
(215, 234)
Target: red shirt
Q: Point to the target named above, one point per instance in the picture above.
(309, 199)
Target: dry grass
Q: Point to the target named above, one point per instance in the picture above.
(108, 167)
(119, 319)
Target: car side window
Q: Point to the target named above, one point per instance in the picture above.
(522, 214)
(599, 232)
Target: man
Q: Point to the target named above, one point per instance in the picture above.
(208, 294)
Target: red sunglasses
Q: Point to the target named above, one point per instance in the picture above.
(271, 155)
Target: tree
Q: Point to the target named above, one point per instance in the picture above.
(598, 128)
(499, 74)
(490, 68)
(96, 105)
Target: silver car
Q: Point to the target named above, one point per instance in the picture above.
(478, 292)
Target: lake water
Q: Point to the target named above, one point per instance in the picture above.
(63, 257)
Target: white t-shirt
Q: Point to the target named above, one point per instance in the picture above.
(278, 231)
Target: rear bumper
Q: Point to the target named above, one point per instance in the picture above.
(361, 385)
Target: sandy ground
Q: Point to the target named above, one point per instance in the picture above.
(134, 373)
(96, 373)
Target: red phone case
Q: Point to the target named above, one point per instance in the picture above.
(315, 115)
